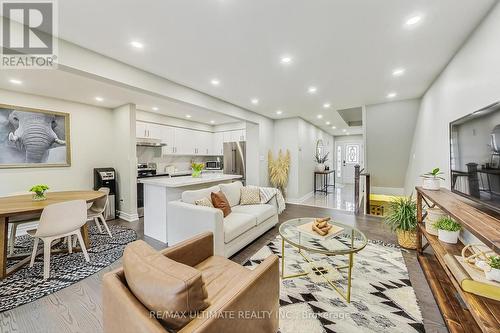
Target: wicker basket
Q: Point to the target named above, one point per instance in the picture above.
(433, 214)
(407, 239)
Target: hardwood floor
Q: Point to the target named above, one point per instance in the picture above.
(78, 307)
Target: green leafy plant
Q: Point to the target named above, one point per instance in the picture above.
(39, 190)
(402, 214)
(494, 262)
(197, 168)
(435, 173)
(447, 223)
(321, 159)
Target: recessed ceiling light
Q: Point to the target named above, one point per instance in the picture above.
(333, 127)
(154, 108)
(279, 112)
(398, 72)
(391, 95)
(215, 82)
(15, 81)
(344, 130)
(319, 116)
(328, 123)
(312, 90)
(212, 121)
(286, 59)
(188, 116)
(136, 44)
(413, 20)
(326, 105)
(255, 101)
(99, 99)
(347, 133)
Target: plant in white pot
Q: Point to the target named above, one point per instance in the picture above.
(432, 180)
(448, 230)
(321, 160)
(493, 271)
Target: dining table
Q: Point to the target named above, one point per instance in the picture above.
(23, 205)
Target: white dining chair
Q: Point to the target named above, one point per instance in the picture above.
(16, 221)
(58, 221)
(96, 211)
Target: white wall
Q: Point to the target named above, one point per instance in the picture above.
(387, 157)
(286, 138)
(469, 82)
(171, 121)
(92, 146)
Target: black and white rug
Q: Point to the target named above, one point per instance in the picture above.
(27, 284)
(382, 298)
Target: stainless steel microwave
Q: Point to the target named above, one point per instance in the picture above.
(213, 165)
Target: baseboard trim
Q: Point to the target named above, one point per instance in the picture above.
(128, 217)
(301, 199)
(387, 190)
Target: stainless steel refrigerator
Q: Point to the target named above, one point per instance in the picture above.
(235, 158)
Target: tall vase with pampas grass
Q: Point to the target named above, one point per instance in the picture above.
(279, 170)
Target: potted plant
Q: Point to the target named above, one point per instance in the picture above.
(433, 214)
(402, 219)
(432, 180)
(39, 192)
(493, 271)
(196, 169)
(448, 229)
(321, 160)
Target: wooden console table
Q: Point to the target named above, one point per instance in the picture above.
(479, 314)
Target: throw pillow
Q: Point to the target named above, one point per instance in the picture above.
(163, 285)
(219, 201)
(232, 192)
(250, 195)
(204, 202)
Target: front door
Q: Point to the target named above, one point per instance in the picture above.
(348, 154)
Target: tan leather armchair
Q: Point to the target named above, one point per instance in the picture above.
(241, 300)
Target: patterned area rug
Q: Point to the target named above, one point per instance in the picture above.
(27, 284)
(382, 298)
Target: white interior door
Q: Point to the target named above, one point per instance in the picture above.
(347, 155)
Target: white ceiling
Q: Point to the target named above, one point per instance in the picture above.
(73, 87)
(346, 48)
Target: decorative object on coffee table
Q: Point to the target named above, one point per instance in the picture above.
(448, 229)
(312, 228)
(432, 180)
(348, 242)
(402, 219)
(39, 192)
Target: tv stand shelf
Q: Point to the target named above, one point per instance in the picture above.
(481, 314)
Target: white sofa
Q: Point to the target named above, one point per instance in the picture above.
(232, 233)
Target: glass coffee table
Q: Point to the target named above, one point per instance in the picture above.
(347, 242)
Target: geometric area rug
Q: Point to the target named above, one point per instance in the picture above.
(27, 284)
(382, 298)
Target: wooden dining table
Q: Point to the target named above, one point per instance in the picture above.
(24, 205)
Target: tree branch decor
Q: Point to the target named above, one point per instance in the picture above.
(279, 170)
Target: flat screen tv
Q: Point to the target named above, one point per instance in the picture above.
(475, 156)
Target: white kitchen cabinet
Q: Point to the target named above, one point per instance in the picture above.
(140, 130)
(218, 143)
(148, 130)
(168, 139)
(237, 135)
(184, 141)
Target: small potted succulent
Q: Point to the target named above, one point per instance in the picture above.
(196, 169)
(402, 219)
(432, 180)
(321, 160)
(448, 230)
(39, 192)
(492, 271)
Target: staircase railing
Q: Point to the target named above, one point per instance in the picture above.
(361, 191)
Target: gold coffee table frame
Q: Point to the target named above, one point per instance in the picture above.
(296, 241)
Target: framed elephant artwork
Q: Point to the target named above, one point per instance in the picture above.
(32, 138)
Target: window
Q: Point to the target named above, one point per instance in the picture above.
(352, 153)
(339, 161)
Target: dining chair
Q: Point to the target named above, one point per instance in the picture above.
(16, 221)
(96, 211)
(58, 221)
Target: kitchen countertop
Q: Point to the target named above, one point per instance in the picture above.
(188, 180)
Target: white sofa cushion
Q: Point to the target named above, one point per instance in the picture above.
(232, 192)
(192, 196)
(262, 211)
(236, 224)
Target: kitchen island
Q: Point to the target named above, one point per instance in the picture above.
(159, 191)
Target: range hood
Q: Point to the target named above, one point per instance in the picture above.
(147, 142)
